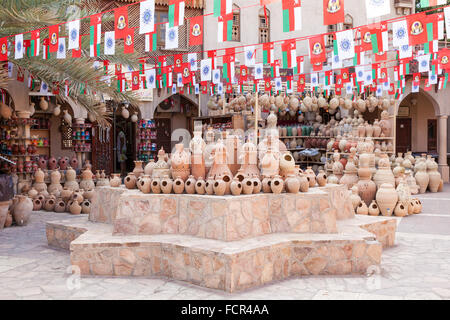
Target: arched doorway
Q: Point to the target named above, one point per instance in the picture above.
(174, 121)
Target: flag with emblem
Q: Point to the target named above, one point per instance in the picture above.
(301, 83)
(128, 46)
(259, 71)
(344, 45)
(4, 49)
(176, 13)
(444, 58)
(178, 63)
(74, 34)
(314, 80)
(147, 17)
(250, 56)
(192, 59)
(216, 78)
(268, 53)
(35, 43)
(317, 53)
(186, 72)
(228, 67)
(423, 63)
(61, 54)
(400, 36)
(333, 12)
(267, 85)
(196, 31)
(243, 74)
(150, 77)
(225, 28)
(205, 69)
(222, 7)
(299, 68)
(110, 43)
(416, 26)
(53, 36)
(95, 35)
(172, 38)
(18, 46)
(121, 22)
(292, 15)
(44, 88)
(377, 8)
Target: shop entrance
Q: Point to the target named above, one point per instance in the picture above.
(403, 135)
(125, 142)
(432, 136)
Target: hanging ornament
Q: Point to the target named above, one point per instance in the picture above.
(57, 110)
(125, 112)
(67, 117)
(32, 109)
(43, 104)
(5, 111)
(134, 117)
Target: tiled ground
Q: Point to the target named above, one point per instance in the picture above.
(418, 267)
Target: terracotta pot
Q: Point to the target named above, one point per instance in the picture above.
(60, 206)
(146, 184)
(266, 185)
(115, 181)
(292, 184)
(37, 204)
(148, 170)
(304, 182)
(287, 164)
(75, 208)
(422, 179)
(63, 162)
(86, 180)
(52, 163)
(86, 207)
(373, 209)
(277, 185)
(354, 197)
(178, 186)
(49, 205)
(138, 170)
(219, 186)
(78, 197)
(9, 220)
(4, 207)
(257, 186)
(66, 194)
(418, 206)
(74, 163)
(362, 208)
(200, 186)
(70, 182)
(387, 199)
(312, 177)
(236, 187)
(167, 185)
(366, 187)
(130, 181)
(180, 163)
(349, 179)
(435, 180)
(156, 185)
(401, 210)
(189, 186)
(22, 210)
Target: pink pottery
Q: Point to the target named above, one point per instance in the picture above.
(200, 186)
(387, 199)
(22, 210)
(236, 187)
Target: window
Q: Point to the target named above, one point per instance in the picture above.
(66, 135)
(264, 26)
(348, 22)
(331, 29)
(161, 16)
(236, 33)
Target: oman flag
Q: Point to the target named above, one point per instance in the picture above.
(288, 49)
(431, 3)
(317, 51)
(151, 40)
(222, 7)
(95, 35)
(225, 28)
(379, 38)
(268, 55)
(228, 67)
(416, 29)
(35, 43)
(292, 15)
(333, 12)
(176, 13)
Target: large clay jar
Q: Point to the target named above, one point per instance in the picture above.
(178, 186)
(384, 173)
(4, 206)
(247, 186)
(66, 194)
(387, 199)
(167, 184)
(180, 163)
(219, 186)
(248, 158)
(401, 210)
(39, 183)
(52, 163)
(70, 182)
(197, 147)
(22, 210)
(138, 170)
(304, 182)
(161, 167)
(55, 185)
(146, 184)
(354, 197)
(200, 186)
(75, 208)
(148, 170)
(277, 185)
(130, 181)
(422, 177)
(366, 187)
(270, 163)
(287, 164)
(373, 209)
(156, 185)
(292, 184)
(311, 177)
(321, 178)
(362, 208)
(385, 124)
(403, 192)
(115, 180)
(349, 178)
(236, 187)
(220, 161)
(434, 177)
(86, 182)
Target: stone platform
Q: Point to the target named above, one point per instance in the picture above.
(227, 243)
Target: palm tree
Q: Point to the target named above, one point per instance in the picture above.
(19, 16)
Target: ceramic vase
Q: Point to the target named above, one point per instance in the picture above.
(236, 187)
(22, 210)
(138, 169)
(115, 180)
(277, 185)
(387, 199)
(362, 208)
(180, 163)
(146, 184)
(401, 210)
(167, 185)
(219, 186)
(130, 181)
(373, 209)
(156, 185)
(200, 186)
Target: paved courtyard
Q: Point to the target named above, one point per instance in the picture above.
(417, 267)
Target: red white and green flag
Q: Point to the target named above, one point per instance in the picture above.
(292, 15)
(225, 28)
(431, 3)
(176, 13)
(359, 56)
(222, 7)
(299, 68)
(443, 82)
(46, 49)
(31, 82)
(288, 49)
(228, 67)
(151, 40)
(268, 53)
(35, 43)
(66, 88)
(379, 38)
(95, 35)
(275, 69)
(328, 78)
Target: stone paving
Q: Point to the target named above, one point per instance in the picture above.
(417, 267)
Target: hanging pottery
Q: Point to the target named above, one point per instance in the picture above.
(125, 113)
(43, 104)
(67, 117)
(57, 110)
(134, 117)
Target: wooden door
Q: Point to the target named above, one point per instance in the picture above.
(432, 136)
(163, 134)
(403, 133)
(102, 146)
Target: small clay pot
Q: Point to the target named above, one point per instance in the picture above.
(373, 209)
(37, 204)
(209, 187)
(189, 185)
(236, 187)
(247, 186)
(130, 181)
(86, 207)
(156, 186)
(200, 186)
(145, 184)
(401, 210)
(219, 186)
(49, 205)
(362, 208)
(60, 206)
(75, 208)
(257, 185)
(178, 186)
(266, 185)
(277, 185)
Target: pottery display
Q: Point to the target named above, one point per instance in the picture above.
(86, 207)
(321, 178)
(37, 204)
(366, 187)
(161, 167)
(401, 210)
(292, 184)
(311, 176)
(55, 179)
(387, 199)
(39, 184)
(200, 186)
(236, 187)
(247, 186)
(178, 186)
(257, 185)
(197, 147)
(422, 177)
(22, 210)
(60, 206)
(75, 208)
(70, 182)
(354, 197)
(148, 169)
(209, 186)
(180, 163)
(155, 185)
(219, 186)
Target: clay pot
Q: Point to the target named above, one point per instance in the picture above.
(287, 164)
(115, 181)
(401, 210)
(219, 186)
(304, 182)
(354, 197)
(209, 186)
(37, 204)
(8, 220)
(86, 180)
(75, 208)
(22, 210)
(387, 199)
(435, 180)
(362, 208)
(60, 206)
(321, 178)
(5, 111)
(277, 185)
(130, 181)
(86, 207)
(366, 187)
(167, 185)
(422, 179)
(180, 163)
(373, 209)
(78, 197)
(236, 187)
(49, 205)
(138, 170)
(178, 186)
(418, 206)
(4, 207)
(312, 177)
(266, 185)
(200, 186)
(292, 184)
(88, 194)
(257, 186)
(66, 194)
(70, 182)
(148, 170)
(146, 184)
(156, 185)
